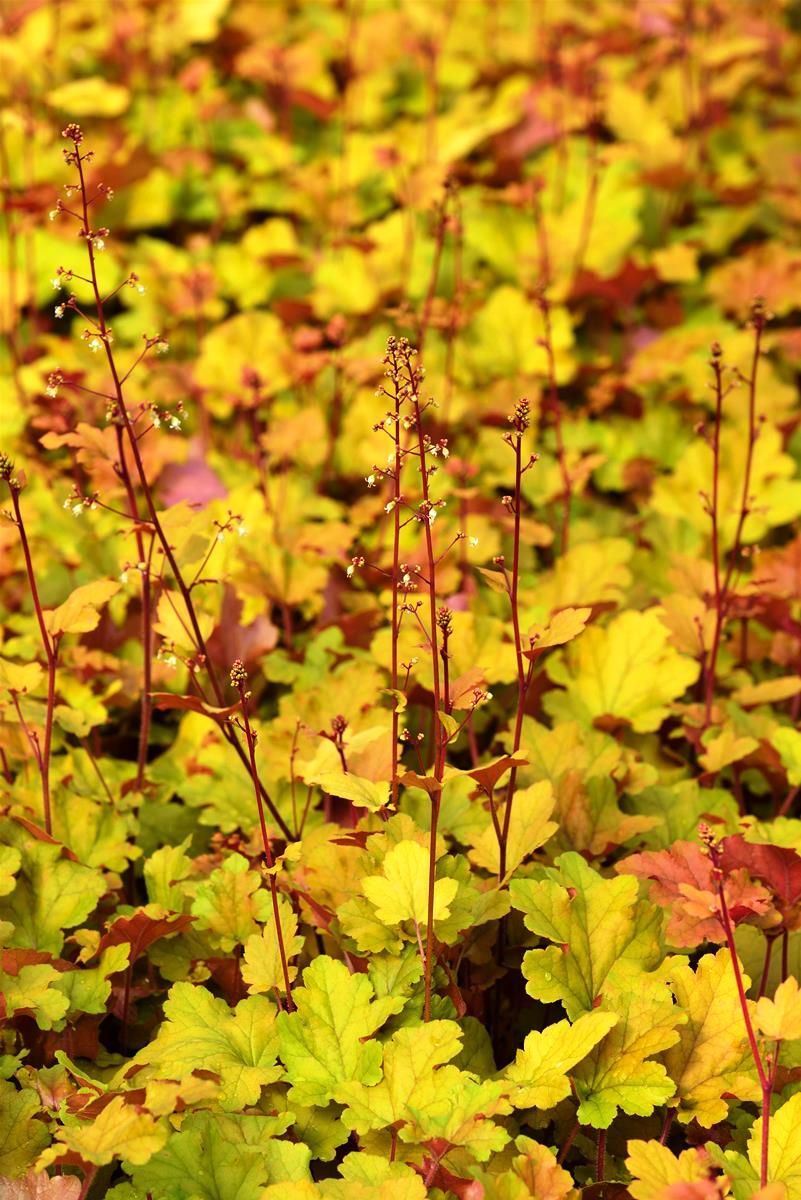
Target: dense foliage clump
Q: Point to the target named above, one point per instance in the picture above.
(400, 600)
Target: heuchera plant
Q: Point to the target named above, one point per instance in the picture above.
(400, 641)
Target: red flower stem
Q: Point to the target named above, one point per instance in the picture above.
(600, 1157)
(50, 647)
(591, 195)
(147, 493)
(513, 589)
(555, 406)
(439, 244)
(250, 738)
(763, 982)
(396, 532)
(765, 1080)
(723, 589)
(439, 733)
(714, 513)
(568, 1143)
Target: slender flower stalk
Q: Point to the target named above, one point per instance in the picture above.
(553, 404)
(94, 240)
(397, 467)
(408, 377)
(766, 1070)
(50, 643)
(520, 423)
(723, 586)
(239, 681)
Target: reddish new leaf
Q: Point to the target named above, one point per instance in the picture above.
(141, 930)
(683, 882)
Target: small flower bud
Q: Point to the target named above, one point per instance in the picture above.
(239, 675)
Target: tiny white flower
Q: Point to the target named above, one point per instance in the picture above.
(175, 422)
(52, 391)
(474, 541)
(56, 284)
(221, 536)
(98, 244)
(140, 289)
(389, 507)
(370, 480)
(432, 516)
(124, 577)
(53, 214)
(67, 503)
(157, 422)
(445, 452)
(242, 529)
(350, 571)
(170, 660)
(77, 509)
(59, 311)
(162, 347)
(95, 344)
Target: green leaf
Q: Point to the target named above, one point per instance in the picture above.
(262, 969)
(87, 989)
(97, 834)
(19, 677)
(459, 1111)
(784, 1148)
(21, 1135)
(788, 743)
(200, 1032)
(627, 670)
(600, 929)
(326, 1041)
(540, 1070)
(529, 828)
(10, 863)
(400, 893)
(53, 894)
(619, 1073)
(79, 612)
(230, 903)
(34, 988)
(411, 1057)
(711, 1057)
(362, 792)
(784, 1156)
(654, 1167)
(164, 870)
(119, 1130)
(201, 1163)
(372, 1170)
(780, 1018)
